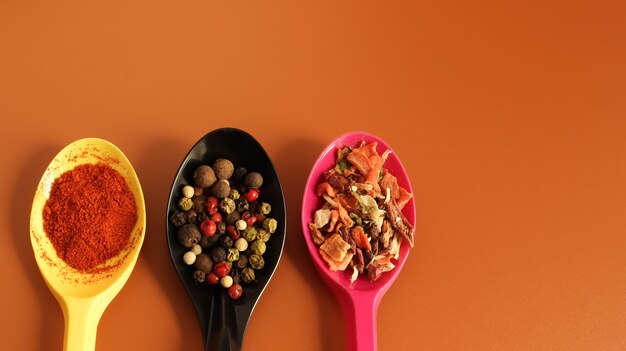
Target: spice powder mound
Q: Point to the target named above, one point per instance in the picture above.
(90, 215)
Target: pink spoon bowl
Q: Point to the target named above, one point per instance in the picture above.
(360, 299)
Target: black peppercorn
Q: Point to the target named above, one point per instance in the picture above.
(221, 228)
(199, 276)
(199, 203)
(236, 276)
(255, 207)
(225, 241)
(242, 205)
(178, 218)
(218, 254)
(202, 217)
(207, 242)
(231, 218)
(239, 173)
(192, 216)
(242, 262)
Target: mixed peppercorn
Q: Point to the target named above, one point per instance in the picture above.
(224, 224)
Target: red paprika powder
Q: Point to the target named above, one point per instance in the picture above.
(90, 215)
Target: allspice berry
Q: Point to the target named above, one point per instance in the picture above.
(204, 263)
(223, 168)
(221, 189)
(204, 176)
(188, 235)
(254, 180)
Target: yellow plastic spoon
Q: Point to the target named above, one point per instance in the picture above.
(84, 296)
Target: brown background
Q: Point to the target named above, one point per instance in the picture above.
(509, 117)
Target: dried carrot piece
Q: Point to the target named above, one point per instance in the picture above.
(360, 161)
(345, 218)
(336, 265)
(325, 188)
(334, 217)
(403, 198)
(335, 247)
(360, 238)
(318, 238)
(390, 182)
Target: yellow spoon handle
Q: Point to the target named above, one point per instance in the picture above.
(81, 324)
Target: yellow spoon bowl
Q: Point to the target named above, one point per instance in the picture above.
(84, 296)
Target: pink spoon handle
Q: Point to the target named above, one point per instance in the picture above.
(360, 311)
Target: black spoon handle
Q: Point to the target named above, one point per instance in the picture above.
(222, 333)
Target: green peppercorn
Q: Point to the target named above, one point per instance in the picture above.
(254, 180)
(249, 234)
(265, 208)
(204, 176)
(247, 275)
(242, 205)
(231, 218)
(178, 218)
(188, 235)
(232, 255)
(270, 225)
(185, 204)
(263, 235)
(256, 261)
(218, 254)
(227, 205)
(234, 194)
(223, 168)
(199, 203)
(258, 247)
(242, 262)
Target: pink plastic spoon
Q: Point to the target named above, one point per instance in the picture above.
(360, 299)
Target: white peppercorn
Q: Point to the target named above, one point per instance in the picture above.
(188, 191)
(196, 249)
(241, 244)
(189, 258)
(226, 281)
(241, 224)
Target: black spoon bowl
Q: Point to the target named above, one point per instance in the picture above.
(223, 320)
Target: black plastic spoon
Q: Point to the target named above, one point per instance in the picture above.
(223, 320)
